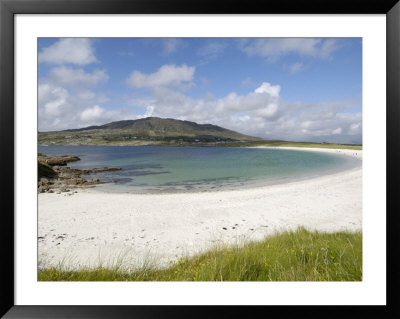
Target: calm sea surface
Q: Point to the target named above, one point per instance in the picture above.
(156, 169)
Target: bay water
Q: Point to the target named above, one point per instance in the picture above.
(161, 169)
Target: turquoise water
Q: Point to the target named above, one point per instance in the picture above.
(152, 169)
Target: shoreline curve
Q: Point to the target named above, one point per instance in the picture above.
(92, 227)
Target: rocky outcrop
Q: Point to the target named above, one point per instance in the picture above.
(63, 178)
(45, 170)
(57, 160)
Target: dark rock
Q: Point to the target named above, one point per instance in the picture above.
(67, 176)
(100, 170)
(43, 181)
(75, 181)
(58, 160)
(45, 170)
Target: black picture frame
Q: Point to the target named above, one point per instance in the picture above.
(8, 8)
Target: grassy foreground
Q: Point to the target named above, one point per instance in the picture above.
(291, 256)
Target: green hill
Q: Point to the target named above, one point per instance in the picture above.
(151, 130)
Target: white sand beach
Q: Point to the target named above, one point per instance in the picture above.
(92, 227)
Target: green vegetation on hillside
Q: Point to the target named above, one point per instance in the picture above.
(292, 144)
(146, 131)
(165, 132)
(290, 256)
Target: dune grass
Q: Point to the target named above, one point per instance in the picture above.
(298, 255)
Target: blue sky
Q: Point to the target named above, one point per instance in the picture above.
(303, 89)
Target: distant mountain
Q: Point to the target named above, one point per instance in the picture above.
(150, 130)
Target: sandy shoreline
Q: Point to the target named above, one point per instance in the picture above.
(91, 227)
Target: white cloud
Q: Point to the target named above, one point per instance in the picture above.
(149, 112)
(170, 45)
(166, 75)
(296, 67)
(355, 128)
(213, 49)
(69, 51)
(89, 97)
(77, 77)
(337, 131)
(273, 48)
(263, 113)
(92, 114)
(262, 102)
(53, 99)
(61, 109)
(65, 100)
(248, 82)
(272, 90)
(328, 46)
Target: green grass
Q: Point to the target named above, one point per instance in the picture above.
(294, 144)
(114, 138)
(45, 170)
(290, 256)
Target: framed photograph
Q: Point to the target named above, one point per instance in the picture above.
(174, 154)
